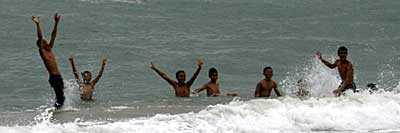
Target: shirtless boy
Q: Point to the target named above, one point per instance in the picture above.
(265, 86)
(345, 69)
(212, 86)
(49, 60)
(87, 85)
(181, 88)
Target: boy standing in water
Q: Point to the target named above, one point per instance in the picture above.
(49, 60)
(265, 86)
(87, 85)
(212, 86)
(181, 88)
(345, 69)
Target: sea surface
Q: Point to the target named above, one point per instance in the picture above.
(238, 37)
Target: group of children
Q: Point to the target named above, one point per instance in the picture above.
(266, 85)
(182, 88)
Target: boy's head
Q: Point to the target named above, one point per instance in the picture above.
(87, 76)
(213, 74)
(41, 43)
(342, 53)
(180, 76)
(268, 72)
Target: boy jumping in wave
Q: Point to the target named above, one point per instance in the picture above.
(265, 86)
(181, 88)
(49, 60)
(87, 85)
(212, 86)
(345, 69)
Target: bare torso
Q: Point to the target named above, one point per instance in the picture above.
(87, 91)
(182, 90)
(266, 88)
(49, 60)
(212, 89)
(343, 68)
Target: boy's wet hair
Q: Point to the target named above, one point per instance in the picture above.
(266, 68)
(85, 73)
(177, 73)
(211, 71)
(342, 48)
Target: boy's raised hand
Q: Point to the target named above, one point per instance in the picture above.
(319, 55)
(35, 19)
(152, 65)
(71, 58)
(104, 60)
(200, 62)
(57, 17)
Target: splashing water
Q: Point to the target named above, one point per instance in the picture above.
(71, 93)
(318, 79)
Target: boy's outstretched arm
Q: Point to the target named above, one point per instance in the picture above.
(257, 92)
(326, 62)
(200, 63)
(54, 32)
(100, 72)
(198, 90)
(76, 75)
(36, 20)
(162, 74)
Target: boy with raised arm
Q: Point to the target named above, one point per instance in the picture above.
(265, 86)
(87, 85)
(212, 86)
(181, 88)
(49, 60)
(345, 69)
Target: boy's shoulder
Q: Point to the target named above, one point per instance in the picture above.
(350, 62)
(273, 81)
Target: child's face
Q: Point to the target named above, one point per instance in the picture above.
(342, 54)
(87, 77)
(214, 77)
(268, 73)
(181, 77)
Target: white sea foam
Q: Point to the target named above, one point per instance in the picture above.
(358, 112)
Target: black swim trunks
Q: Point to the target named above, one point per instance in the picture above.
(57, 83)
(350, 86)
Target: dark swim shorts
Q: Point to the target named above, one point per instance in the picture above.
(350, 86)
(57, 83)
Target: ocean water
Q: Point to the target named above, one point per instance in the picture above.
(238, 37)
